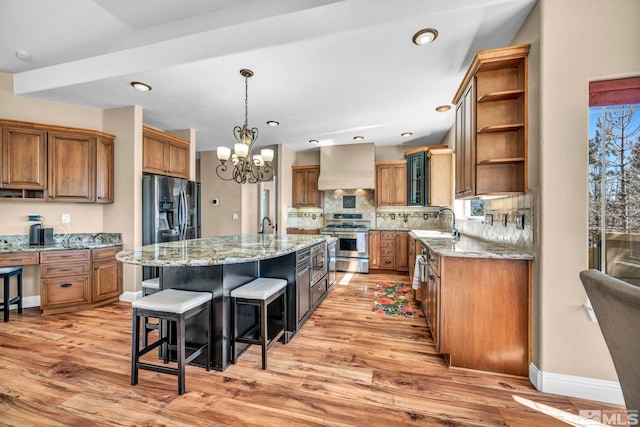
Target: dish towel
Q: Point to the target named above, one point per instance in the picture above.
(418, 272)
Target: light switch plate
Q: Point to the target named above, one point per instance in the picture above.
(488, 219)
(520, 221)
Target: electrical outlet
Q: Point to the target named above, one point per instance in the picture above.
(234, 216)
(504, 220)
(393, 216)
(425, 216)
(520, 222)
(488, 219)
(66, 218)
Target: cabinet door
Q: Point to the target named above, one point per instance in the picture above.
(153, 155)
(314, 197)
(107, 280)
(465, 146)
(299, 188)
(402, 251)
(374, 249)
(303, 283)
(178, 160)
(415, 180)
(399, 185)
(104, 171)
(71, 167)
(384, 176)
(24, 158)
(440, 178)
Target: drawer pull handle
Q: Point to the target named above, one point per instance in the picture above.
(66, 285)
(65, 269)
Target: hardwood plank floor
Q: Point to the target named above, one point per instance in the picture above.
(345, 367)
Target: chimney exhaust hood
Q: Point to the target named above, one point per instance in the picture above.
(347, 167)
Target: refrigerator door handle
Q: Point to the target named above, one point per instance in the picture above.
(182, 218)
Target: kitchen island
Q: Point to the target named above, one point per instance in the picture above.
(221, 264)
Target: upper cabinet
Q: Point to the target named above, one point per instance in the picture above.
(164, 154)
(492, 124)
(23, 151)
(391, 183)
(55, 163)
(305, 191)
(429, 176)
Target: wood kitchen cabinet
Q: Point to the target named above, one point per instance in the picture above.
(23, 151)
(164, 154)
(104, 170)
(305, 186)
(492, 124)
(106, 284)
(65, 281)
(55, 163)
(391, 183)
(388, 250)
(429, 176)
(71, 167)
(477, 310)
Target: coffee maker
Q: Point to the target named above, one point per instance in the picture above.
(34, 234)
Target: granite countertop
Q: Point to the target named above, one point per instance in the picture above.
(19, 243)
(219, 250)
(471, 247)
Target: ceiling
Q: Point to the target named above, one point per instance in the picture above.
(327, 70)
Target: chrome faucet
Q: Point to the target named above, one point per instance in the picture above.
(262, 224)
(454, 229)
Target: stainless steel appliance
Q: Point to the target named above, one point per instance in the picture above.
(318, 263)
(331, 248)
(352, 247)
(170, 212)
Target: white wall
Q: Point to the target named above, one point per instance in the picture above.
(578, 41)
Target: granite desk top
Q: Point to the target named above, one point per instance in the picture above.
(19, 243)
(471, 247)
(219, 250)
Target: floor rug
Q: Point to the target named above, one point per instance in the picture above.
(391, 299)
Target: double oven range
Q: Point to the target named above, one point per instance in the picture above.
(352, 247)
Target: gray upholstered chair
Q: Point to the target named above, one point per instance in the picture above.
(617, 307)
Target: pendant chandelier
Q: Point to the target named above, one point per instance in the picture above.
(246, 167)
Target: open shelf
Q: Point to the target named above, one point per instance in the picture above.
(502, 161)
(501, 128)
(501, 96)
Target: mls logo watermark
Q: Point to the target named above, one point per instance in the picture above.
(608, 417)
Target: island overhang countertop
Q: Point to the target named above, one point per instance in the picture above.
(219, 250)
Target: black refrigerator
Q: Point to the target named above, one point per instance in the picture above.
(170, 212)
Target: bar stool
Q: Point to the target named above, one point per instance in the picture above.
(6, 273)
(170, 305)
(149, 286)
(259, 293)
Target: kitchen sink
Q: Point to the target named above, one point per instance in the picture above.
(433, 234)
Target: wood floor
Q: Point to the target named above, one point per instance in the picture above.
(346, 367)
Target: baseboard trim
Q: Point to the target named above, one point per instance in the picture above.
(574, 386)
(130, 296)
(28, 302)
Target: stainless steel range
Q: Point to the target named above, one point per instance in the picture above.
(352, 248)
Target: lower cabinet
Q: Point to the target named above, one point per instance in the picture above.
(77, 280)
(318, 291)
(388, 250)
(478, 312)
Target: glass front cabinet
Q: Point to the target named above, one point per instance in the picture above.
(417, 176)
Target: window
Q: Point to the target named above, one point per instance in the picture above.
(614, 178)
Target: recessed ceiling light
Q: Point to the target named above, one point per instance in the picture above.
(142, 87)
(314, 141)
(358, 138)
(443, 108)
(425, 36)
(23, 55)
(273, 123)
(406, 134)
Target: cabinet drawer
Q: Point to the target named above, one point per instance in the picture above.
(318, 291)
(55, 292)
(388, 244)
(64, 269)
(64, 256)
(387, 235)
(105, 254)
(388, 263)
(387, 252)
(19, 259)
